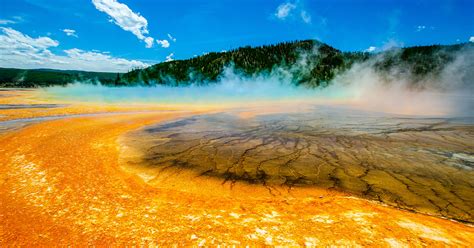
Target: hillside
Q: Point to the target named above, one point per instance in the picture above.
(309, 63)
(24, 78)
(424, 62)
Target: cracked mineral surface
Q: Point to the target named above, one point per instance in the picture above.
(116, 175)
(420, 164)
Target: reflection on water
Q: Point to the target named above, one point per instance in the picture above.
(422, 164)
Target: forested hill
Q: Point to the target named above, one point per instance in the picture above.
(310, 63)
(27, 78)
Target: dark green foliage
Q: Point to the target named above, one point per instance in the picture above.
(309, 63)
(420, 61)
(22, 78)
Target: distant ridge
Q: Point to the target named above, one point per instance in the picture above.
(309, 63)
(27, 78)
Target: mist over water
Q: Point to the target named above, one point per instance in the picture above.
(361, 87)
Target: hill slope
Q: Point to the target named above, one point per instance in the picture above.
(24, 78)
(309, 63)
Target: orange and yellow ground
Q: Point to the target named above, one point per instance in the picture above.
(61, 184)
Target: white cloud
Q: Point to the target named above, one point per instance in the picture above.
(284, 9)
(13, 20)
(13, 39)
(149, 42)
(471, 39)
(5, 21)
(169, 57)
(171, 38)
(125, 18)
(370, 49)
(305, 17)
(70, 32)
(163, 43)
(420, 28)
(22, 51)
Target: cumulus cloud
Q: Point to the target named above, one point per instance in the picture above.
(370, 49)
(283, 10)
(125, 18)
(163, 43)
(169, 57)
(471, 39)
(171, 38)
(22, 51)
(70, 32)
(148, 42)
(13, 39)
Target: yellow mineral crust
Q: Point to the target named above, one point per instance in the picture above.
(61, 184)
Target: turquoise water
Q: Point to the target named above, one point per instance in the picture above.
(366, 95)
(211, 94)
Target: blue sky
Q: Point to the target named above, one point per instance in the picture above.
(116, 35)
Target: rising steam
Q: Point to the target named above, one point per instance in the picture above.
(361, 87)
(450, 93)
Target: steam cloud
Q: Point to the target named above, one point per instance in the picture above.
(450, 93)
(360, 87)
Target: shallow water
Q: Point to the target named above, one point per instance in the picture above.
(30, 106)
(15, 124)
(416, 163)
